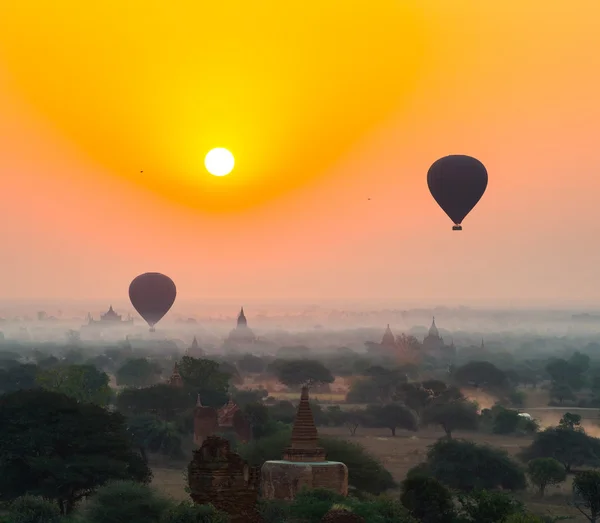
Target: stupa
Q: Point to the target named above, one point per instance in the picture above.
(304, 463)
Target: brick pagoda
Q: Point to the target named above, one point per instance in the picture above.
(304, 463)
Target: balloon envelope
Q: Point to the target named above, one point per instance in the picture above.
(152, 294)
(457, 183)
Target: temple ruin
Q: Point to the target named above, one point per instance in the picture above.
(221, 477)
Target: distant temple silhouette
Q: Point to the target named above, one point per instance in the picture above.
(433, 341)
(109, 318)
(194, 350)
(242, 334)
(389, 340)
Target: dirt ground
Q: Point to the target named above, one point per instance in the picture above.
(401, 453)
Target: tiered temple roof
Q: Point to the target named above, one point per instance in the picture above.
(304, 445)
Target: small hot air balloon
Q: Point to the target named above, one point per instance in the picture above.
(152, 294)
(457, 182)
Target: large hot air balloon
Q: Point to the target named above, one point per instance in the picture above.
(152, 294)
(457, 182)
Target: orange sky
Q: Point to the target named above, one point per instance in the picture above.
(324, 104)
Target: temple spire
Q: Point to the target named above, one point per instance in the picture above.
(433, 330)
(241, 321)
(304, 445)
(304, 433)
(199, 401)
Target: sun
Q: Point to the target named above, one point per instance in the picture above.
(219, 161)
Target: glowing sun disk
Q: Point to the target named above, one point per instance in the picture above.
(219, 161)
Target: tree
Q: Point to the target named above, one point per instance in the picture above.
(19, 377)
(415, 396)
(436, 387)
(155, 435)
(570, 422)
(53, 446)
(506, 421)
(427, 500)
(579, 362)
(467, 466)
(231, 371)
(138, 372)
(163, 400)
(562, 392)
(572, 448)
(294, 373)
(353, 419)
(393, 416)
(85, 383)
(388, 380)
(480, 374)
(484, 505)
(566, 374)
(101, 362)
(203, 375)
(586, 486)
(545, 471)
(126, 502)
(364, 391)
(455, 415)
(257, 415)
(72, 356)
(283, 411)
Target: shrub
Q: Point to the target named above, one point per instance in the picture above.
(187, 512)
(33, 509)
(427, 499)
(466, 466)
(126, 502)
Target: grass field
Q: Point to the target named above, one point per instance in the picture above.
(401, 453)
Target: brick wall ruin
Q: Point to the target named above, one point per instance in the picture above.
(221, 477)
